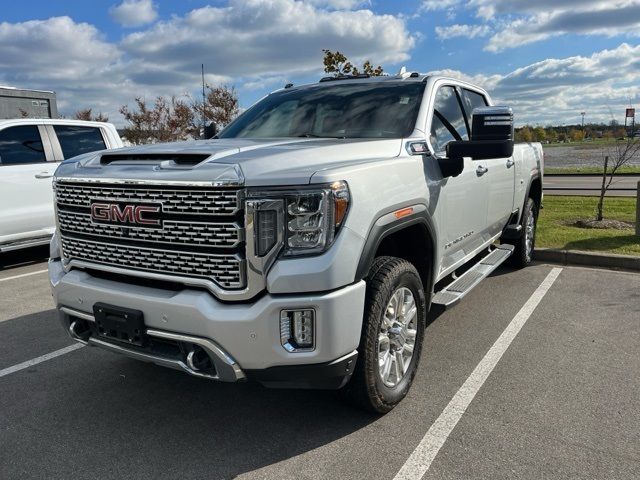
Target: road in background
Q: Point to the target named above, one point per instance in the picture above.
(622, 186)
(562, 402)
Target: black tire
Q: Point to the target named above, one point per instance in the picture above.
(523, 253)
(366, 388)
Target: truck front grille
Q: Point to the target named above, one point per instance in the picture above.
(199, 236)
(226, 235)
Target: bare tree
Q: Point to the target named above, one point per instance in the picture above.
(338, 64)
(167, 120)
(615, 157)
(221, 106)
(86, 114)
(23, 113)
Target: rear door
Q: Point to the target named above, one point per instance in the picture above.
(462, 202)
(500, 175)
(26, 195)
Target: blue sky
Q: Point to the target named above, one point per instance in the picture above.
(549, 59)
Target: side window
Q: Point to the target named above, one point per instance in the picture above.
(78, 140)
(472, 100)
(448, 121)
(22, 144)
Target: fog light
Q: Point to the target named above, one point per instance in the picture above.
(297, 329)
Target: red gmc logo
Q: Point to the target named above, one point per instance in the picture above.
(126, 214)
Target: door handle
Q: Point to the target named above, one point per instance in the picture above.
(481, 170)
(43, 175)
(510, 163)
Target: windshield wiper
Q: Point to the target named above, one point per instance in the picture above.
(313, 135)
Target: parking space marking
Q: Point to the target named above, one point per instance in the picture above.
(421, 458)
(40, 359)
(23, 275)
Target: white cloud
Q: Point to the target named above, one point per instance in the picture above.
(134, 13)
(555, 90)
(341, 4)
(247, 42)
(267, 37)
(521, 22)
(467, 31)
(548, 18)
(434, 5)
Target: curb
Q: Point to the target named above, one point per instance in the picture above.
(589, 175)
(590, 259)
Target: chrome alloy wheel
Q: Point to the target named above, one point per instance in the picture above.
(397, 337)
(529, 232)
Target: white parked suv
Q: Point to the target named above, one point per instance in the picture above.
(305, 245)
(30, 151)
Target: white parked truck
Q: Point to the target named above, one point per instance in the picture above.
(305, 245)
(30, 151)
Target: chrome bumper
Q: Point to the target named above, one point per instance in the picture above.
(226, 368)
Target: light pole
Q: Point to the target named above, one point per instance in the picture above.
(582, 113)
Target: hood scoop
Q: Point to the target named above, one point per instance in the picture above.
(182, 159)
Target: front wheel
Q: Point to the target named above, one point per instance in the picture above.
(392, 335)
(523, 252)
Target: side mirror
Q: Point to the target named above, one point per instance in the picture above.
(491, 135)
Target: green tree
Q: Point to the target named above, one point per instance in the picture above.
(576, 135)
(524, 135)
(338, 64)
(539, 135)
(552, 135)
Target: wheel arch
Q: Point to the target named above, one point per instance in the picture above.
(411, 238)
(534, 191)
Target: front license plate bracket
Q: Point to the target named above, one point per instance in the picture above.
(120, 324)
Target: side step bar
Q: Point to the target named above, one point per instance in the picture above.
(18, 244)
(456, 290)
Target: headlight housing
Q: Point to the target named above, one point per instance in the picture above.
(311, 217)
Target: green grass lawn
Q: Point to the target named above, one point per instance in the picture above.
(590, 170)
(558, 210)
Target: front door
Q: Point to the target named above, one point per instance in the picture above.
(462, 201)
(500, 175)
(26, 195)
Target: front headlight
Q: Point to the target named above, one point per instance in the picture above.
(312, 217)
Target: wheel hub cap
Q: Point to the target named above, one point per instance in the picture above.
(397, 336)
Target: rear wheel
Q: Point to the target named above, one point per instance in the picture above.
(392, 334)
(524, 246)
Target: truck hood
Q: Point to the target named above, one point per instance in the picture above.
(252, 162)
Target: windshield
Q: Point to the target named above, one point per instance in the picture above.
(341, 110)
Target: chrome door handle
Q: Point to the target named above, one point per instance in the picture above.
(481, 170)
(510, 163)
(43, 175)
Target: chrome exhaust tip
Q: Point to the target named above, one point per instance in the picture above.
(79, 330)
(198, 360)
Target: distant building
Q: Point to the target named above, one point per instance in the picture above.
(36, 103)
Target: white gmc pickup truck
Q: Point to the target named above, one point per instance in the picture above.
(305, 245)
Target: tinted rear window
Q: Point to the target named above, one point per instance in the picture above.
(21, 145)
(78, 140)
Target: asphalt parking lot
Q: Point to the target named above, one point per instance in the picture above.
(556, 397)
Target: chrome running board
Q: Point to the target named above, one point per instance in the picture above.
(456, 290)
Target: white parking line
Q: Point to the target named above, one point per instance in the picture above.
(43, 358)
(420, 460)
(23, 275)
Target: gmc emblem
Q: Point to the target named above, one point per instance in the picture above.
(131, 215)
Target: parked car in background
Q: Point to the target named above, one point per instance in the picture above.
(30, 152)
